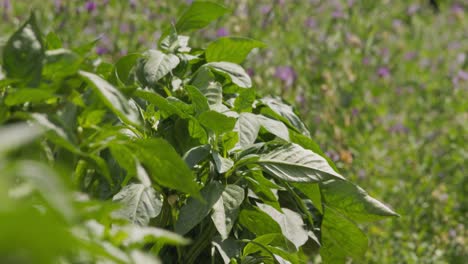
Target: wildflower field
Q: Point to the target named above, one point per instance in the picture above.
(267, 131)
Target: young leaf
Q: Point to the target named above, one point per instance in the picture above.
(311, 191)
(25, 95)
(195, 210)
(275, 127)
(199, 15)
(217, 122)
(24, 52)
(155, 65)
(199, 101)
(257, 221)
(293, 163)
(123, 67)
(164, 165)
(162, 103)
(112, 98)
(341, 238)
(234, 72)
(226, 209)
(222, 164)
(291, 223)
(231, 49)
(139, 202)
(353, 202)
(247, 127)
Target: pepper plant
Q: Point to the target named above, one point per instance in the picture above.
(165, 156)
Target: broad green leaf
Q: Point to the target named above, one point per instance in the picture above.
(134, 235)
(216, 122)
(341, 238)
(25, 95)
(291, 223)
(112, 98)
(53, 41)
(293, 163)
(124, 66)
(139, 202)
(124, 158)
(285, 113)
(275, 127)
(247, 127)
(233, 71)
(263, 188)
(196, 154)
(257, 221)
(60, 63)
(226, 209)
(24, 52)
(199, 101)
(311, 191)
(199, 15)
(353, 202)
(213, 92)
(195, 210)
(164, 165)
(15, 135)
(175, 43)
(274, 246)
(222, 164)
(308, 143)
(155, 65)
(57, 134)
(227, 248)
(245, 100)
(162, 103)
(231, 49)
(49, 184)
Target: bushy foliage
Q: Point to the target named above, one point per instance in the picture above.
(166, 155)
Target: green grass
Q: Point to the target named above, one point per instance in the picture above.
(401, 137)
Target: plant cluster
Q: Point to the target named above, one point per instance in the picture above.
(165, 155)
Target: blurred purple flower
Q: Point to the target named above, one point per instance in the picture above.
(461, 57)
(6, 5)
(300, 99)
(286, 74)
(397, 23)
(251, 72)
(123, 52)
(310, 23)
(133, 3)
(264, 9)
(383, 72)
(355, 112)
(351, 3)
(58, 6)
(457, 8)
(333, 155)
(338, 13)
(463, 75)
(412, 9)
(411, 55)
(222, 32)
(366, 61)
(452, 233)
(398, 128)
(189, 1)
(100, 50)
(90, 6)
(362, 174)
(454, 45)
(124, 28)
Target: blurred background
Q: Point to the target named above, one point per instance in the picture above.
(382, 85)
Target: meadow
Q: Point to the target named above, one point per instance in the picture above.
(382, 87)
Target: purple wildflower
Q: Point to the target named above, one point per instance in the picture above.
(351, 3)
(457, 8)
(222, 32)
(90, 6)
(383, 72)
(58, 6)
(412, 9)
(355, 112)
(397, 23)
(189, 1)
(300, 99)
(338, 13)
(124, 28)
(362, 174)
(398, 128)
(310, 23)
(250, 72)
(6, 5)
(333, 155)
(264, 9)
(100, 50)
(410, 55)
(286, 74)
(133, 4)
(463, 75)
(366, 61)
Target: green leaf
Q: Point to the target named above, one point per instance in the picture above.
(341, 238)
(222, 164)
(263, 188)
(195, 210)
(139, 202)
(293, 163)
(61, 63)
(162, 103)
(311, 191)
(213, 92)
(155, 65)
(226, 209)
(53, 41)
(227, 248)
(199, 101)
(257, 221)
(231, 49)
(234, 72)
(124, 66)
(196, 154)
(308, 143)
(199, 15)
(291, 223)
(164, 165)
(274, 246)
(15, 135)
(112, 98)
(135, 235)
(285, 113)
(216, 122)
(25, 95)
(138, 256)
(247, 127)
(275, 127)
(353, 202)
(24, 52)
(245, 100)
